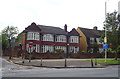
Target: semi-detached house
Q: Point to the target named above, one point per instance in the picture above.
(48, 38)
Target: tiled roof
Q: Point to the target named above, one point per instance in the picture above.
(45, 29)
(73, 32)
(90, 32)
(52, 30)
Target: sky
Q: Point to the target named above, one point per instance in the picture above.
(74, 13)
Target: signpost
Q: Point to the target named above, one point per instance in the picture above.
(30, 47)
(105, 46)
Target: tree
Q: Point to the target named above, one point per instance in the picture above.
(112, 26)
(7, 34)
(19, 38)
(5, 41)
(95, 48)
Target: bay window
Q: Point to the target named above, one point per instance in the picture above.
(61, 47)
(74, 49)
(74, 39)
(36, 48)
(46, 48)
(48, 37)
(33, 36)
(61, 38)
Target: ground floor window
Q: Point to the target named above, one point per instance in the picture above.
(60, 48)
(46, 48)
(74, 49)
(36, 47)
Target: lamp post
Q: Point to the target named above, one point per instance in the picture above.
(105, 38)
(30, 47)
(66, 55)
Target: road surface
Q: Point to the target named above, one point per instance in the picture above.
(12, 70)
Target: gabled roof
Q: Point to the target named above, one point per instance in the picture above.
(73, 32)
(45, 29)
(90, 32)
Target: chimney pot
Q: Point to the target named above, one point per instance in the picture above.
(95, 28)
(65, 27)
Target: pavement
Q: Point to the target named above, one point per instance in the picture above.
(55, 63)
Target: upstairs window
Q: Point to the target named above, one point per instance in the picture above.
(33, 36)
(48, 37)
(61, 38)
(92, 40)
(98, 41)
(74, 39)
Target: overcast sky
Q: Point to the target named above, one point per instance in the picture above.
(74, 13)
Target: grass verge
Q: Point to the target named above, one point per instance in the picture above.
(108, 61)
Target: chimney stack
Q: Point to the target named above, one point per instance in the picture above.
(65, 27)
(95, 28)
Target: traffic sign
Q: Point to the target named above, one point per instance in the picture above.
(30, 45)
(105, 46)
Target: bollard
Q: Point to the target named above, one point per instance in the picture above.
(23, 62)
(92, 63)
(29, 57)
(65, 62)
(41, 62)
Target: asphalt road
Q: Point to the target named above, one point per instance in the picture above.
(12, 70)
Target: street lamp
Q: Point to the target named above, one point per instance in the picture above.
(66, 55)
(105, 38)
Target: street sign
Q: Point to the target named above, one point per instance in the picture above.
(30, 45)
(105, 46)
(105, 39)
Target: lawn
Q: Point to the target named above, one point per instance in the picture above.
(108, 61)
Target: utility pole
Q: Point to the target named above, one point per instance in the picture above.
(105, 38)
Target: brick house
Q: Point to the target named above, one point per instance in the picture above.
(88, 37)
(45, 39)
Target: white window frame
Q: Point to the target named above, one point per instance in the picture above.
(74, 39)
(73, 49)
(48, 37)
(45, 48)
(61, 38)
(37, 48)
(61, 47)
(92, 40)
(33, 36)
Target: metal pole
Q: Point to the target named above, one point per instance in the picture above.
(95, 61)
(92, 63)
(30, 56)
(105, 31)
(10, 49)
(41, 62)
(65, 62)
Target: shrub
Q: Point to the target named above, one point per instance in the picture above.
(58, 50)
(113, 51)
(83, 51)
(118, 49)
(109, 50)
